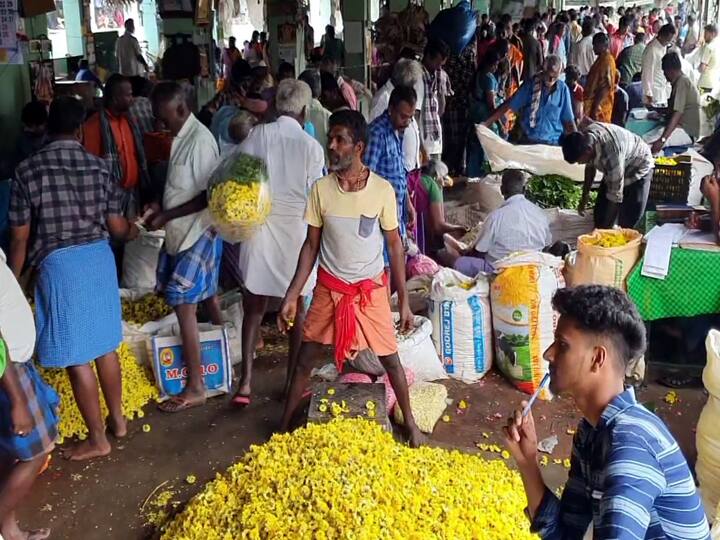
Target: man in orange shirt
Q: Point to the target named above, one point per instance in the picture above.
(601, 82)
(111, 134)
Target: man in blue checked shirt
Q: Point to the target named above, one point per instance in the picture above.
(384, 153)
(628, 478)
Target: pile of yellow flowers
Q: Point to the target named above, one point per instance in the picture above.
(237, 208)
(150, 307)
(137, 390)
(607, 239)
(350, 479)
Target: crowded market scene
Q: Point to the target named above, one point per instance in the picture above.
(359, 269)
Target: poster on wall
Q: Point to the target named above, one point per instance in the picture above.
(107, 18)
(287, 42)
(8, 24)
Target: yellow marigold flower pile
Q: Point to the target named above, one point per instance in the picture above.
(350, 479)
(150, 307)
(137, 390)
(607, 239)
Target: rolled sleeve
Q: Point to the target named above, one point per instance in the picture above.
(20, 205)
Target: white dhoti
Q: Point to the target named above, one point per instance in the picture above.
(268, 260)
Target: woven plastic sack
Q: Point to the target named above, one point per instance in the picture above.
(603, 265)
(461, 324)
(523, 317)
(140, 259)
(427, 402)
(707, 437)
(239, 199)
(455, 26)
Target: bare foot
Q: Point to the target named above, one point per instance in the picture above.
(183, 401)
(117, 427)
(36, 534)
(415, 437)
(87, 450)
(260, 342)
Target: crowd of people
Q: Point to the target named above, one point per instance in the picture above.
(351, 193)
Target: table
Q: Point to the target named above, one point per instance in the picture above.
(691, 288)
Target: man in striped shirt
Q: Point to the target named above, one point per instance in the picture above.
(628, 478)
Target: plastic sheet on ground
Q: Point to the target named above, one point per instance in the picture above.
(538, 159)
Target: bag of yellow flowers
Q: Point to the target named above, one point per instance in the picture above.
(239, 198)
(604, 257)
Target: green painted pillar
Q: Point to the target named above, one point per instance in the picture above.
(356, 22)
(150, 24)
(72, 10)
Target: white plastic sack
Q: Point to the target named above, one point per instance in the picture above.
(417, 352)
(427, 403)
(461, 321)
(136, 336)
(707, 438)
(140, 260)
(231, 307)
(537, 159)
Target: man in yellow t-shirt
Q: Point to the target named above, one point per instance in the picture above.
(349, 214)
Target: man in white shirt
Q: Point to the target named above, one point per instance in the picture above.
(582, 54)
(656, 88)
(709, 58)
(267, 260)
(127, 50)
(518, 225)
(189, 261)
(317, 115)
(28, 406)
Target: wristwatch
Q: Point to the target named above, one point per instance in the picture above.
(663, 139)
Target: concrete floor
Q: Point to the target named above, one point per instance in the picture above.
(103, 499)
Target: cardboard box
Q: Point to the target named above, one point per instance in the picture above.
(169, 368)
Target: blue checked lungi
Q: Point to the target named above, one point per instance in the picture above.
(77, 301)
(192, 275)
(43, 403)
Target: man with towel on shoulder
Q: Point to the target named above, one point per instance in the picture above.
(66, 197)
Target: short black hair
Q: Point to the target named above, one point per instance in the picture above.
(436, 47)
(671, 61)
(588, 26)
(311, 77)
(240, 71)
(601, 38)
(667, 30)
(34, 114)
(711, 28)
(572, 72)
(286, 68)
(402, 93)
(605, 311)
(83, 64)
(328, 82)
(66, 115)
(574, 145)
(165, 92)
(354, 121)
(141, 87)
(111, 87)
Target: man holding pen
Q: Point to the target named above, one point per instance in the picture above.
(628, 477)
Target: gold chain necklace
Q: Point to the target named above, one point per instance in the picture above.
(355, 180)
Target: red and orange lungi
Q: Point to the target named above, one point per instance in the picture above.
(351, 316)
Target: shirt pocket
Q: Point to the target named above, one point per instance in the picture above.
(366, 226)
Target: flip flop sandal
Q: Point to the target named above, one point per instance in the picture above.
(240, 401)
(678, 381)
(175, 405)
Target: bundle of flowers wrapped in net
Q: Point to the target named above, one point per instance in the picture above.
(350, 479)
(239, 196)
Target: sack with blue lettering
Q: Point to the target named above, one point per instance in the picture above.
(523, 317)
(462, 324)
(166, 352)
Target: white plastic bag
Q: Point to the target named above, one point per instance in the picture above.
(427, 403)
(523, 317)
(461, 324)
(537, 159)
(140, 260)
(417, 352)
(136, 336)
(707, 438)
(231, 306)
